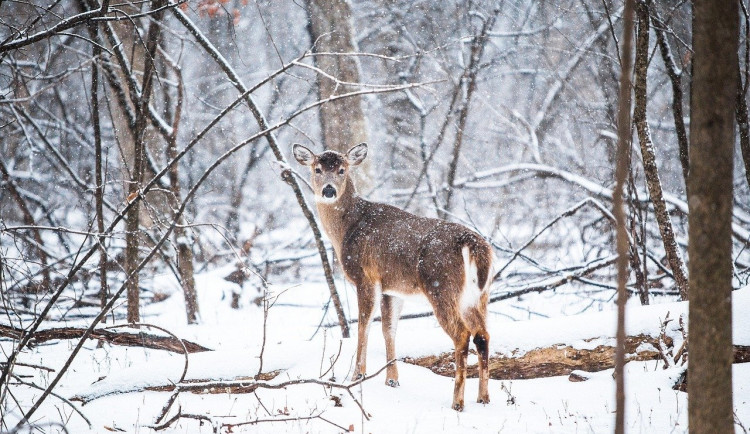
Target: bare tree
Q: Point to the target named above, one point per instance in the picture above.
(675, 78)
(466, 88)
(621, 172)
(648, 153)
(98, 164)
(183, 237)
(343, 122)
(132, 253)
(712, 115)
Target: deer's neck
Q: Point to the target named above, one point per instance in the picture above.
(339, 216)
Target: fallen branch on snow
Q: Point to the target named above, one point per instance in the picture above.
(129, 339)
(217, 425)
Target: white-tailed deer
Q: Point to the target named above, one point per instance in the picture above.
(387, 253)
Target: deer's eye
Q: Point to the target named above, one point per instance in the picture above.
(341, 171)
(317, 170)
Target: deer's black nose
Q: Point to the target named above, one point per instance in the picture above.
(329, 191)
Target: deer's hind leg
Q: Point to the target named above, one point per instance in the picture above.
(390, 310)
(475, 318)
(442, 282)
(460, 338)
(482, 342)
(451, 321)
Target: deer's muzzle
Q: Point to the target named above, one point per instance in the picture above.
(329, 192)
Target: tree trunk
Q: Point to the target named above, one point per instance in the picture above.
(141, 118)
(712, 112)
(98, 175)
(650, 169)
(343, 122)
(621, 172)
(741, 113)
(183, 238)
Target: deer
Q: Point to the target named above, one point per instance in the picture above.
(388, 253)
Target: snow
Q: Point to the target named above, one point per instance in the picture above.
(111, 377)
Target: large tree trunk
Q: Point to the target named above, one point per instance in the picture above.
(712, 111)
(741, 111)
(650, 169)
(343, 122)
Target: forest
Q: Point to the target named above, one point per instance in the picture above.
(166, 262)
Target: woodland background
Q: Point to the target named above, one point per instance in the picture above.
(139, 139)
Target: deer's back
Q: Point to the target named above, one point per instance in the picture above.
(404, 252)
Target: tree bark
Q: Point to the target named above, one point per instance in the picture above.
(343, 122)
(712, 115)
(622, 169)
(743, 124)
(650, 169)
(742, 112)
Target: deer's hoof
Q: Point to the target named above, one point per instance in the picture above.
(458, 406)
(359, 376)
(391, 382)
(483, 400)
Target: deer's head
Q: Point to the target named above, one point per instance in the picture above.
(329, 169)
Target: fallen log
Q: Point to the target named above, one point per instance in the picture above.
(557, 360)
(208, 386)
(741, 355)
(140, 339)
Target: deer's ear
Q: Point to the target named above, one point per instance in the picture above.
(357, 154)
(303, 155)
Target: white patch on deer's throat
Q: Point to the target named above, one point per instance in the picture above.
(471, 291)
(325, 200)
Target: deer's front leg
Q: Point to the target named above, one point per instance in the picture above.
(366, 298)
(390, 310)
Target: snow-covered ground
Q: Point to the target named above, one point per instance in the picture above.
(112, 376)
